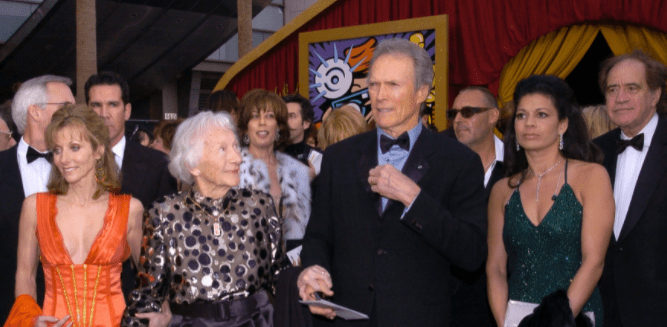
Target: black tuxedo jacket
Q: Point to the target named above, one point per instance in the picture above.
(146, 177)
(397, 270)
(634, 282)
(145, 174)
(11, 201)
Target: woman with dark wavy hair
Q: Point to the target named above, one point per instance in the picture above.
(550, 221)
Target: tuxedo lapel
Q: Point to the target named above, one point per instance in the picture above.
(368, 160)
(610, 154)
(134, 170)
(416, 166)
(649, 176)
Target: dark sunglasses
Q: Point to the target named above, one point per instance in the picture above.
(466, 112)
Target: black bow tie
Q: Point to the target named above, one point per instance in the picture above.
(387, 142)
(33, 155)
(636, 142)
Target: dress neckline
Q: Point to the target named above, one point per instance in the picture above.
(59, 236)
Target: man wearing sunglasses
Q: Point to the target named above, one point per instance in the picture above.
(25, 170)
(474, 115)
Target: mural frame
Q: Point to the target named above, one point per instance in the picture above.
(438, 23)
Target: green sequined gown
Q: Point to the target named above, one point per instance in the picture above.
(545, 258)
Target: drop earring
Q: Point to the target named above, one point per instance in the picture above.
(246, 139)
(517, 146)
(560, 145)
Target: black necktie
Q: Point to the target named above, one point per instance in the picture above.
(387, 142)
(34, 155)
(636, 142)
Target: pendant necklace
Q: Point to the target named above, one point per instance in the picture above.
(216, 225)
(539, 179)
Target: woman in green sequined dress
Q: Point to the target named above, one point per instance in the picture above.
(550, 222)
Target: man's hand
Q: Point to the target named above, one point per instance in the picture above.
(392, 184)
(315, 279)
(157, 319)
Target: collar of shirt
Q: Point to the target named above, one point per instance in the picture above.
(500, 148)
(648, 131)
(35, 175)
(412, 134)
(119, 151)
(500, 153)
(22, 151)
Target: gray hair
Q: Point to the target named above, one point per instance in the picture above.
(32, 92)
(188, 144)
(420, 58)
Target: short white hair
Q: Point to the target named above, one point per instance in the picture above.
(32, 92)
(188, 144)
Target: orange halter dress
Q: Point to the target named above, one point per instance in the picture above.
(89, 292)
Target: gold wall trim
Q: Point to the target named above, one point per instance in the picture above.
(277, 37)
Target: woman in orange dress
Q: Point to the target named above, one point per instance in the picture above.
(81, 230)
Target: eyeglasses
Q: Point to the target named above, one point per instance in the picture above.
(61, 104)
(9, 134)
(466, 112)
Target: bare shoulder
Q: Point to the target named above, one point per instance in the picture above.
(136, 207)
(30, 202)
(587, 172)
(501, 191)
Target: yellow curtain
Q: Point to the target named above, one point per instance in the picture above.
(625, 38)
(556, 53)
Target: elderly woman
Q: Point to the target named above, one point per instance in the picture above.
(213, 252)
(263, 128)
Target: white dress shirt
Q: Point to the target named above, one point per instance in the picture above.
(34, 175)
(628, 166)
(119, 151)
(500, 153)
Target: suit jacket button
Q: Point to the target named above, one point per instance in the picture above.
(371, 288)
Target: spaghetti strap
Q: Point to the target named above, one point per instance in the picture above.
(566, 170)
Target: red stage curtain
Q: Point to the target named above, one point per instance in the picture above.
(483, 34)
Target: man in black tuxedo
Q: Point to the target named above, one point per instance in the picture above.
(634, 281)
(475, 114)
(144, 172)
(24, 170)
(381, 238)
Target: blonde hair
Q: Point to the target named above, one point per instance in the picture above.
(597, 120)
(339, 125)
(92, 128)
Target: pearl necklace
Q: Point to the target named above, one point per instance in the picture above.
(539, 179)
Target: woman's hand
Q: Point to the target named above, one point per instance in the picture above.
(44, 321)
(157, 319)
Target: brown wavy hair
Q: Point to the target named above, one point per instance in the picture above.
(92, 127)
(263, 100)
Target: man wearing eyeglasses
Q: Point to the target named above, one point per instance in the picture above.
(25, 170)
(474, 115)
(7, 127)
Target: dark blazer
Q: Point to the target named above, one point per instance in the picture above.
(12, 196)
(397, 270)
(634, 281)
(470, 304)
(146, 177)
(145, 174)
